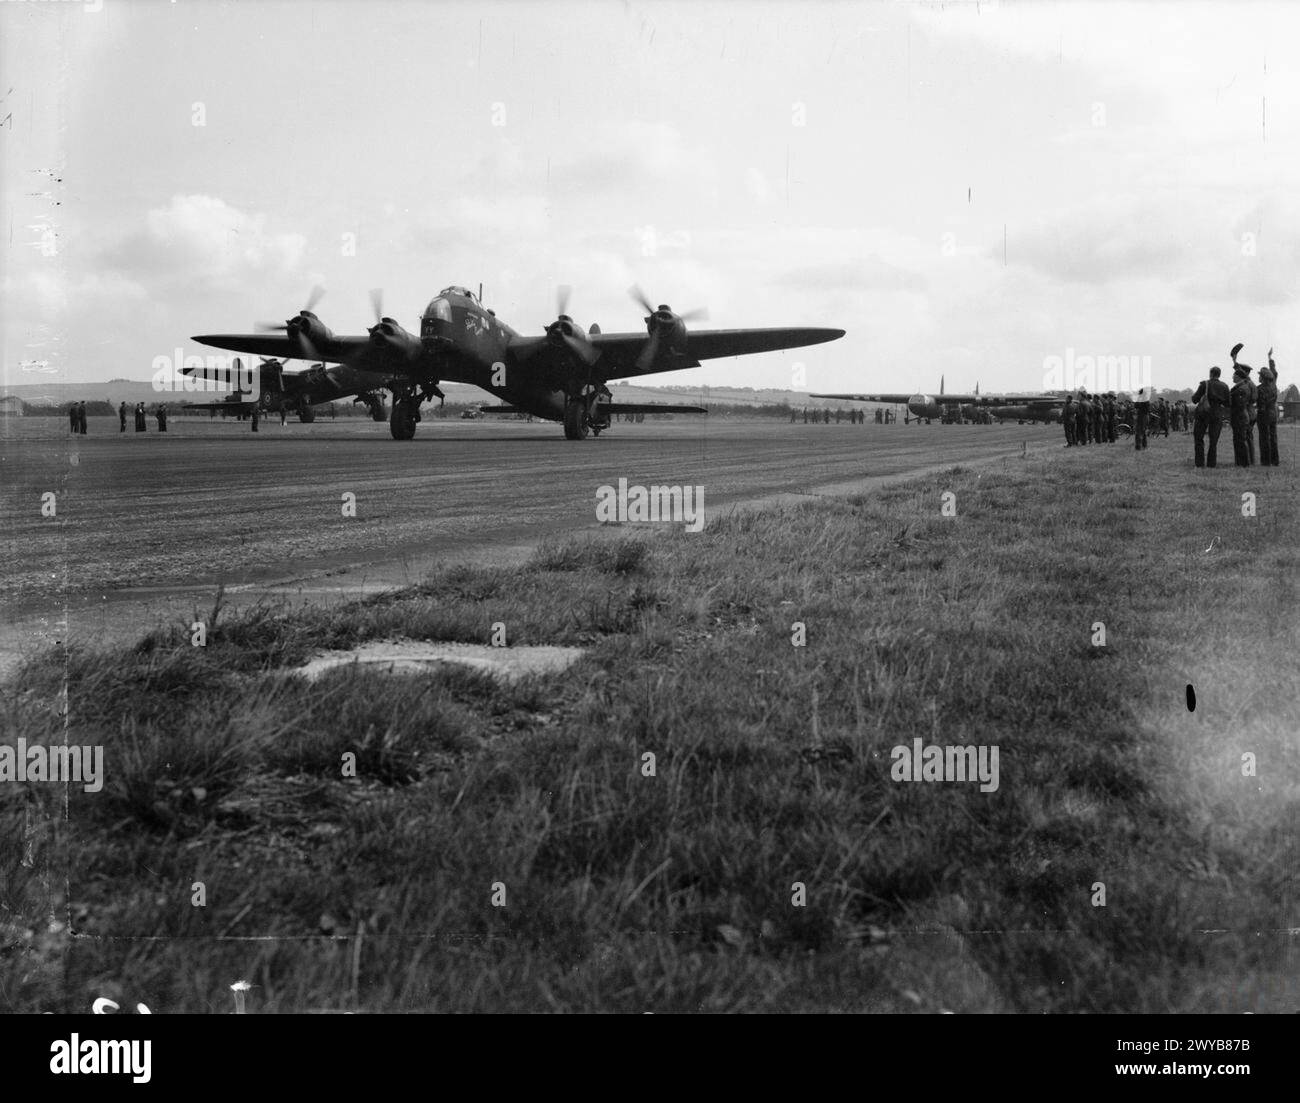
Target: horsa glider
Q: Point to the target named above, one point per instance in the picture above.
(562, 375)
(1035, 406)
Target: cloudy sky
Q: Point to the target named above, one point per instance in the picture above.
(967, 189)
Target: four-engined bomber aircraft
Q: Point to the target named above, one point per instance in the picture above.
(291, 392)
(562, 375)
(1040, 406)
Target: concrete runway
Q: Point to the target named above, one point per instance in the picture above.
(148, 525)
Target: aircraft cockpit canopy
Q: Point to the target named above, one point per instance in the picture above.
(465, 292)
(439, 309)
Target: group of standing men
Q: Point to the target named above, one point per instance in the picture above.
(141, 417)
(1246, 406)
(77, 418)
(1095, 419)
(823, 417)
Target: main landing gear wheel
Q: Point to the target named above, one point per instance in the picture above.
(575, 420)
(401, 421)
(306, 415)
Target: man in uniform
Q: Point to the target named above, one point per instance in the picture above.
(1112, 418)
(1240, 407)
(1067, 420)
(1142, 411)
(121, 416)
(1210, 400)
(1266, 413)
(1245, 370)
(1081, 418)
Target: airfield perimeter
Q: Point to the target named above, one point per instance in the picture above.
(149, 525)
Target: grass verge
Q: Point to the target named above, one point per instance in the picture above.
(629, 892)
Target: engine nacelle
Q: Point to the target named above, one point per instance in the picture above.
(389, 337)
(670, 327)
(307, 325)
(564, 329)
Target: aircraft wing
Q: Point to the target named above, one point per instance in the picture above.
(964, 399)
(619, 351)
(867, 397)
(232, 407)
(340, 350)
(651, 408)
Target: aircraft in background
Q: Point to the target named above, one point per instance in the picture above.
(1040, 406)
(291, 392)
(561, 375)
(1289, 400)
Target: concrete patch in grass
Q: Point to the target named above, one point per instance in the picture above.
(420, 656)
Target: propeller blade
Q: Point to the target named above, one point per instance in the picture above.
(638, 296)
(304, 343)
(650, 351)
(317, 293)
(270, 327)
(700, 315)
(377, 303)
(581, 350)
(562, 294)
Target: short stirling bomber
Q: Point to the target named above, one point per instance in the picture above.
(561, 375)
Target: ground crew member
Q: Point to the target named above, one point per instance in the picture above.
(254, 419)
(1240, 406)
(161, 415)
(81, 418)
(1067, 420)
(1142, 411)
(1245, 370)
(1210, 400)
(1112, 422)
(1081, 418)
(121, 416)
(1252, 411)
(1266, 413)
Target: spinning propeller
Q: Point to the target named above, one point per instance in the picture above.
(303, 326)
(660, 321)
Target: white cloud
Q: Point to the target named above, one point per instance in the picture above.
(200, 240)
